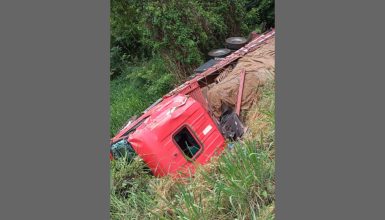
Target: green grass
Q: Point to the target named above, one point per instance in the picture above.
(237, 185)
(136, 89)
(125, 101)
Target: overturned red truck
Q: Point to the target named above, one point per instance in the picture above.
(182, 128)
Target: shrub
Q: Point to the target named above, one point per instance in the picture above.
(180, 31)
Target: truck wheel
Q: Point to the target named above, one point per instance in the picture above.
(234, 43)
(219, 53)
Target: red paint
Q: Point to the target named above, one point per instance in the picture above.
(192, 84)
(153, 141)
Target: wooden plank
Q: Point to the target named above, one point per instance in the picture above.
(240, 91)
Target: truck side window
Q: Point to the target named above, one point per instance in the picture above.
(186, 142)
(123, 148)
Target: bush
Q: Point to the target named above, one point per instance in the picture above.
(153, 45)
(218, 190)
(180, 31)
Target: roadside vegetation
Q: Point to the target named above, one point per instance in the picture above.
(155, 45)
(135, 89)
(237, 185)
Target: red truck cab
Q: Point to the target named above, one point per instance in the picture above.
(172, 137)
(178, 131)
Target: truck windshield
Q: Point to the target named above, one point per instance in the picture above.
(123, 148)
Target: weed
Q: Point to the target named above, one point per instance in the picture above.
(239, 184)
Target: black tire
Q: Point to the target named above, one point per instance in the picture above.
(219, 53)
(234, 43)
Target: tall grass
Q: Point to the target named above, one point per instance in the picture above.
(239, 184)
(137, 88)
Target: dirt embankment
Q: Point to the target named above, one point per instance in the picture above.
(259, 66)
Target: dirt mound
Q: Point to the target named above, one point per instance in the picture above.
(259, 66)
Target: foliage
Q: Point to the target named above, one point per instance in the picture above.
(217, 191)
(155, 45)
(137, 88)
(180, 31)
(128, 186)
